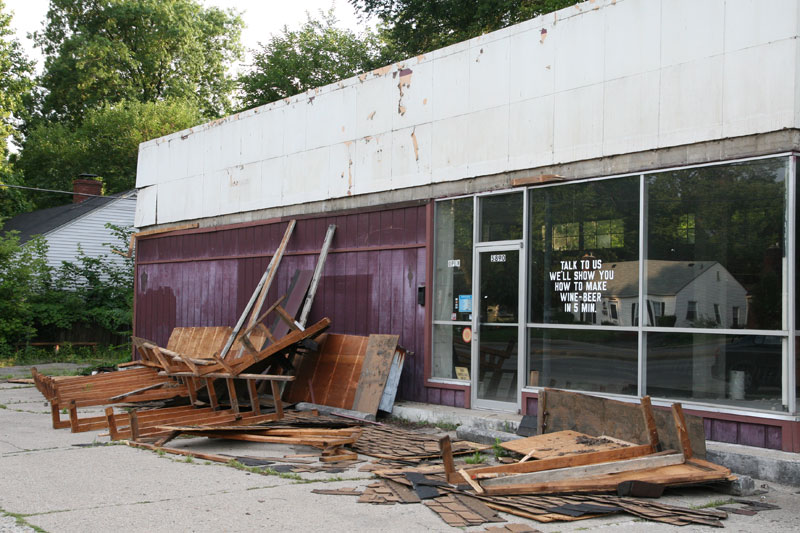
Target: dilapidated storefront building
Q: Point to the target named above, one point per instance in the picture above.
(600, 199)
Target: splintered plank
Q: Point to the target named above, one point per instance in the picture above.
(678, 474)
(564, 461)
(586, 471)
(374, 372)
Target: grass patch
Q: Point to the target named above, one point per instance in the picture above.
(3, 406)
(475, 459)
(20, 520)
(714, 503)
(101, 356)
(498, 450)
(419, 424)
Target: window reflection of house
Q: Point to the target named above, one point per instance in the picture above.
(679, 294)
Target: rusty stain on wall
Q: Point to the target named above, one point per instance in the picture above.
(544, 35)
(404, 82)
(416, 144)
(371, 115)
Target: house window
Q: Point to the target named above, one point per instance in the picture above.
(614, 315)
(717, 316)
(691, 310)
(735, 315)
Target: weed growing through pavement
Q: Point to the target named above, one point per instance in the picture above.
(3, 406)
(714, 503)
(475, 459)
(20, 520)
(498, 450)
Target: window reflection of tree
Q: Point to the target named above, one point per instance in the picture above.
(733, 214)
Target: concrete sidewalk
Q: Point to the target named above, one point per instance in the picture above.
(64, 482)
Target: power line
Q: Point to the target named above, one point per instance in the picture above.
(65, 192)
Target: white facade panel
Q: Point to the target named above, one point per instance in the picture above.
(754, 22)
(414, 91)
(630, 121)
(411, 156)
(750, 105)
(601, 78)
(691, 30)
(578, 124)
(531, 59)
(90, 234)
(451, 85)
(691, 102)
(579, 50)
(488, 75)
(632, 22)
(146, 206)
(530, 133)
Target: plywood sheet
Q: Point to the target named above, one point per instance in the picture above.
(560, 443)
(375, 372)
(330, 377)
(561, 410)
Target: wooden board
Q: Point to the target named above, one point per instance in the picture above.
(692, 471)
(582, 472)
(332, 372)
(390, 391)
(557, 444)
(561, 410)
(374, 372)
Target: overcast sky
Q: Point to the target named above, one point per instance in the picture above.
(262, 18)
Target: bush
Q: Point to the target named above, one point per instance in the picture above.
(35, 299)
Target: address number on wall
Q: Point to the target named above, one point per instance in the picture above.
(497, 258)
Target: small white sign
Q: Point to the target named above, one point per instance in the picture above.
(454, 263)
(497, 258)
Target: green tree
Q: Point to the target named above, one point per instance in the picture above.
(15, 82)
(22, 272)
(104, 51)
(417, 26)
(105, 143)
(316, 54)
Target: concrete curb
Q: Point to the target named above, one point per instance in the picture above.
(759, 463)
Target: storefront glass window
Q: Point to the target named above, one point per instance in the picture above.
(584, 252)
(586, 360)
(726, 369)
(501, 217)
(452, 300)
(716, 246)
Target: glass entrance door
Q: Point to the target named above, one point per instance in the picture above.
(495, 355)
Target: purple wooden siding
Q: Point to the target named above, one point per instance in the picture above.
(735, 432)
(369, 284)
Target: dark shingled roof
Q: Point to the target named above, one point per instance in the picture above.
(45, 220)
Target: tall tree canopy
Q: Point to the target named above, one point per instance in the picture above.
(15, 83)
(316, 54)
(105, 143)
(105, 51)
(417, 26)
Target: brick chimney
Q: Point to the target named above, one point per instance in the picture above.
(85, 184)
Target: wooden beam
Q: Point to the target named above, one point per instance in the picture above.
(255, 406)
(566, 461)
(650, 423)
(472, 483)
(276, 398)
(680, 427)
(232, 395)
(446, 448)
(586, 471)
(312, 290)
(156, 231)
(259, 293)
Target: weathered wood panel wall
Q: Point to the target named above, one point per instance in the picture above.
(369, 285)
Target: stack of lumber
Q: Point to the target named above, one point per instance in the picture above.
(568, 461)
(71, 393)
